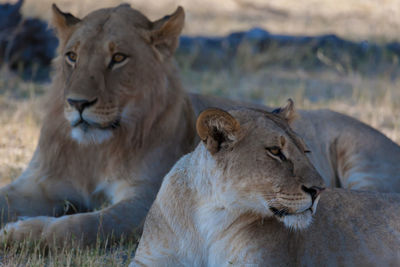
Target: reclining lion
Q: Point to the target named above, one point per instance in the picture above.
(117, 119)
(248, 196)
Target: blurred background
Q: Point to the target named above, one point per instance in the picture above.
(337, 54)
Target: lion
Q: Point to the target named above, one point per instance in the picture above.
(248, 196)
(116, 120)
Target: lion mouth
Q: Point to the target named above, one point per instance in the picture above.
(296, 220)
(283, 212)
(86, 125)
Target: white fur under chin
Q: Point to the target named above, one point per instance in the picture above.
(90, 136)
(297, 221)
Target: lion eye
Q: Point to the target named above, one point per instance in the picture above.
(276, 152)
(118, 58)
(71, 57)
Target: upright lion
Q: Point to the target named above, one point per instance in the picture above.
(250, 199)
(117, 119)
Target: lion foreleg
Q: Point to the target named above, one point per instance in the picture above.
(123, 219)
(26, 198)
(33, 194)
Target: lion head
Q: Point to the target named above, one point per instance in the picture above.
(114, 71)
(260, 165)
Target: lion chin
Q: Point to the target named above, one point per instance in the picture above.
(90, 135)
(298, 221)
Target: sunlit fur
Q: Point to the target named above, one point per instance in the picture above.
(213, 208)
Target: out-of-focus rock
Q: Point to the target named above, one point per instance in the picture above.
(306, 52)
(27, 46)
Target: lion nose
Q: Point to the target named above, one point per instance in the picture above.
(81, 104)
(314, 191)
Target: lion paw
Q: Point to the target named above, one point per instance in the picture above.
(21, 230)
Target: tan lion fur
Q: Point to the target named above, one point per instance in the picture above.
(125, 170)
(214, 208)
(109, 174)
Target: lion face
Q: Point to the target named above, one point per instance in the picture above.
(113, 64)
(262, 166)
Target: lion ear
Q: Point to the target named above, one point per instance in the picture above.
(288, 112)
(63, 22)
(216, 128)
(165, 32)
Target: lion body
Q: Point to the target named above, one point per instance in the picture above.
(137, 123)
(209, 229)
(76, 173)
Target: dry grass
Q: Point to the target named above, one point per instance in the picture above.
(32, 254)
(352, 19)
(19, 120)
(375, 101)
